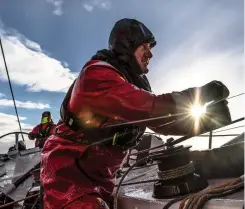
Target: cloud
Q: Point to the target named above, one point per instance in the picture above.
(2, 95)
(9, 124)
(89, 8)
(202, 57)
(30, 67)
(90, 5)
(26, 105)
(57, 6)
(32, 45)
(209, 51)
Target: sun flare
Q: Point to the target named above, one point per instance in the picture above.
(197, 111)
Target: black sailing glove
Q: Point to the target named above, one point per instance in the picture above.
(215, 90)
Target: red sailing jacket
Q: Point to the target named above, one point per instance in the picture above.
(40, 142)
(70, 170)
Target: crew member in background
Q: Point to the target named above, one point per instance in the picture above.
(43, 130)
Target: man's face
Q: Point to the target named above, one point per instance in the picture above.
(45, 118)
(143, 55)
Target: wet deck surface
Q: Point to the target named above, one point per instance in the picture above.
(140, 196)
(131, 196)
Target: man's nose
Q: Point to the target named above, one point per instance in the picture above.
(149, 54)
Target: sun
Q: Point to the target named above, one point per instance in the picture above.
(197, 111)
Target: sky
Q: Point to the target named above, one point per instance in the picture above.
(46, 43)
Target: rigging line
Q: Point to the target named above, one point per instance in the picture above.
(229, 129)
(110, 138)
(231, 97)
(219, 135)
(145, 120)
(12, 93)
(184, 114)
(235, 96)
(176, 141)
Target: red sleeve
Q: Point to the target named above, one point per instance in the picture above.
(103, 91)
(33, 132)
(52, 128)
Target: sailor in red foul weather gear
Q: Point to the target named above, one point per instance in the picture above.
(111, 88)
(43, 130)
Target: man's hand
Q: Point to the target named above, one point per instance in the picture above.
(33, 135)
(214, 90)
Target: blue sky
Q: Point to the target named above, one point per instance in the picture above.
(46, 43)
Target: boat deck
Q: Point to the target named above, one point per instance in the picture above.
(140, 196)
(130, 197)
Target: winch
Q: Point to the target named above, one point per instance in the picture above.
(176, 173)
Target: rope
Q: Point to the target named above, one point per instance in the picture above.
(176, 172)
(171, 202)
(231, 97)
(198, 200)
(27, 194)
(143, 167)
(184, 114)
(17, 201)
(192, 199)
(185, 138)
(148, 119)
(229, 129)
(151, 119)
(123, 177)
(146, 150)
(203, 200)
(219, 135)
(139, 182)
(35, 202)
(10, 86)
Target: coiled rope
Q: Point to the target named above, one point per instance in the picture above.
(176, 172)
(198, 200)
